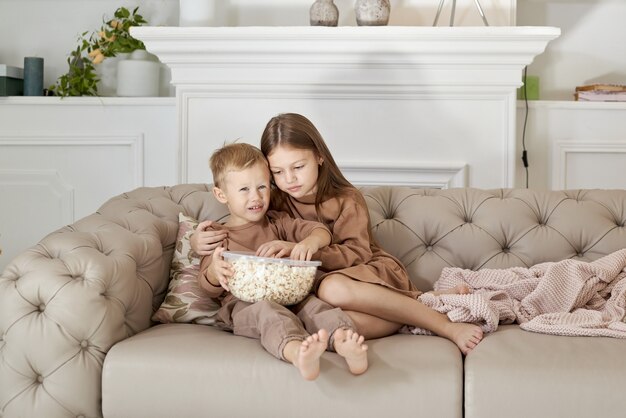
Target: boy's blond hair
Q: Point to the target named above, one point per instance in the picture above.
(236, 156)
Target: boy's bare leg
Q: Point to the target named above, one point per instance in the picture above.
(349, 345)
(459, 289)
(305, 354)
(371, 327)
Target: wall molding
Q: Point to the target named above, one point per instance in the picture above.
(134, 141)
(51, 180)
(504, 98)
(420, 175)
(563, 149)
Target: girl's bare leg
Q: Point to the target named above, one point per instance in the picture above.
(352, 295)
(305, 354)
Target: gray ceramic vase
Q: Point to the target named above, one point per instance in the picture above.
(323, 13)
(372, 12)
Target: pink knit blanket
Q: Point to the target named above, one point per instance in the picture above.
(568, 297)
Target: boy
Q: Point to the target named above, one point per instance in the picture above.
(298, 334)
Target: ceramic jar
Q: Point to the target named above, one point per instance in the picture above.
(372, 12)
(323, 13)
(138, 76)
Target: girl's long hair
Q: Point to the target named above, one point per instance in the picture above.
(296, 131)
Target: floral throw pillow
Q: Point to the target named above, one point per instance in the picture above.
(185, 300)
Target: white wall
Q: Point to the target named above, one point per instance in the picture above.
(591, 49)
(50, 28)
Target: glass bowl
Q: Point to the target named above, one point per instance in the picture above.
(281, 280)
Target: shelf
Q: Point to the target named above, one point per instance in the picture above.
(86, 101)
(572, 104)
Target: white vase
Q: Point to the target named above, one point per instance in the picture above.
(107, 73)
(202, 12)
(138, 76)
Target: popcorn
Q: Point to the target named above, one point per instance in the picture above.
(281, 280)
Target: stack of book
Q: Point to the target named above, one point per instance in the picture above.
(601, 93)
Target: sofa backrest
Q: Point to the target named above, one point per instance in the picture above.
(429, 229)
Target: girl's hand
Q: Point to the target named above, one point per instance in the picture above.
(221, 269)
(275, 248)
(304, 250)
(204, 242)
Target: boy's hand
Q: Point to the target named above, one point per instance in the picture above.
(221, 269)
(275, 248)
(204, 242)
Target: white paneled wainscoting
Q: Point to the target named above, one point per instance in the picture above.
(68, 167)
(60, 159)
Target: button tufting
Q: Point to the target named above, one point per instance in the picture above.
(84, 343)
(581, 255)
(40, 379)
(429, 248)
(42, 307)
(506, 250)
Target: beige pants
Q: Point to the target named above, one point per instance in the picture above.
(275, 325)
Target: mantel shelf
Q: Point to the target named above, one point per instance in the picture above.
(191, 51)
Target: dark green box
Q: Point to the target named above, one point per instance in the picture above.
(11, 81)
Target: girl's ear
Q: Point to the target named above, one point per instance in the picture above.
(320, 161)
(220, 195)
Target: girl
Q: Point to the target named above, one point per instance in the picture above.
(360, 278)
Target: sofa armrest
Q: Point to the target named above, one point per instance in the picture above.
(81, 289)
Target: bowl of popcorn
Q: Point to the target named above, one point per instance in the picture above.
(281, 280)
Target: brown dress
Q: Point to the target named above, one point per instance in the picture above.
(351, 251)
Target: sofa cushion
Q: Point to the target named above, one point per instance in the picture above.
(514, 373)
(187, 370)
(185, 300)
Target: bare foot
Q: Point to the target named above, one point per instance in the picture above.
(459, 289)
(465, 336)
(307, 358)
(349, 345)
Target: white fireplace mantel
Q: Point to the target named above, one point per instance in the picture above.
(415, 97)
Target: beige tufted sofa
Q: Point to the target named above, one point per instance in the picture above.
(76, 337)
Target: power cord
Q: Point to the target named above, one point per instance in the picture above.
(524, 151)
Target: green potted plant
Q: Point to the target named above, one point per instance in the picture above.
(112, 39)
